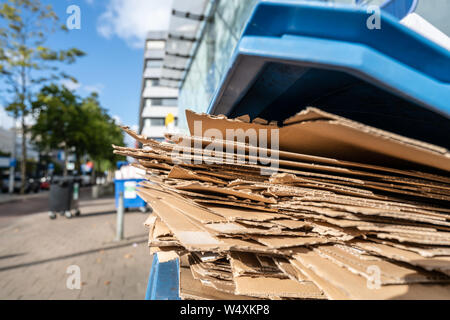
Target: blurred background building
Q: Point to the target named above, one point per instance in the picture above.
(157, 100)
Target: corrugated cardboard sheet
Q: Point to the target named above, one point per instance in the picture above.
(340, 211)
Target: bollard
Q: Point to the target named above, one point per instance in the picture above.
(120, 212)
(95, 191)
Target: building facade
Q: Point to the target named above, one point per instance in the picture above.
(157, 101)
(202, 55)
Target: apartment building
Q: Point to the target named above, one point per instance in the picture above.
(157, 101)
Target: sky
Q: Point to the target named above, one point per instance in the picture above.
(112, 34)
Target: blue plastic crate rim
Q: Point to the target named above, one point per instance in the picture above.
(293, 55)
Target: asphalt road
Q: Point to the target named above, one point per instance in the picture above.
(39, 203)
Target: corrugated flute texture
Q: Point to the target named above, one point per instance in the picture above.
(319, 218)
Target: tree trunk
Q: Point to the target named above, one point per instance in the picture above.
(78, 164)
(93, 180)
(66, 158)
(23, 166)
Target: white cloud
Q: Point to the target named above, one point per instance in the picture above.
(130, 20)
(117, 119)
(98, 87)
(69, 84)
(86, 88)
(6, 121)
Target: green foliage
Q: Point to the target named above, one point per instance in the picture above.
(101, 132)
(80, 124)
(25, 60)
(59, 119)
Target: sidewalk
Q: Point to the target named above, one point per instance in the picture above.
(36, 252)
(6, 197)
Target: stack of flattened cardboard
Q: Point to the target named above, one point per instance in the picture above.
(318, 208)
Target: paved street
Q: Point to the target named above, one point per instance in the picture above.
(15, 206)
(35, 252)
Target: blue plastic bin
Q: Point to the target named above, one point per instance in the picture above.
(297, 54)
(130, 198)
(164, 280)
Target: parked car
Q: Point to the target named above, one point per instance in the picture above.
(31, 184)
(45, 183)
(85, 180)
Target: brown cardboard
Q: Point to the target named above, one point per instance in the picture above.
(441, 264)
(192, 289)
(390, 272)
(356, 287)
(248, 264)
(189, 234)
(286, 242)
(180, 173)
(313, 229)
(330, 291)
(327, 135)
(191, 141)
(267, 287)
(198, 187)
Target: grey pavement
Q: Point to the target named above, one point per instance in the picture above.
(6, 197)
(35, 253)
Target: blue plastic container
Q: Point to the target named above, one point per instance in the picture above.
(297, 54)
(164, 280)
(130, 198)
(397, 8)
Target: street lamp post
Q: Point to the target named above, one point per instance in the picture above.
(12, 165)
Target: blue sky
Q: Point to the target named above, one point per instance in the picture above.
(112, 34)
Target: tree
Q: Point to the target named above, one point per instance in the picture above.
(25, 61)
(60, 122)
(102, 132)
(66, 121)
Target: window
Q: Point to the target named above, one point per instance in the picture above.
(153, 63)
(152, 82)
(152, 102)
(161, 102)
(169, 102)
(156, 44)
(157, 122)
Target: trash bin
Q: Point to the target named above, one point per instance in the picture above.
(130, 197)
(63, 199)
(297, 54)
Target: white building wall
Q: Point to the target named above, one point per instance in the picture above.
(156, 100)
(157, 112)
(159, 92)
